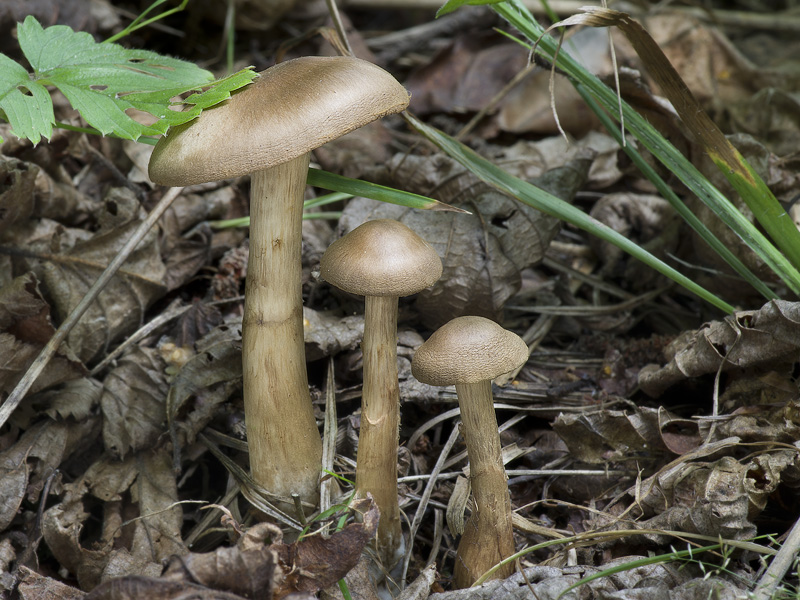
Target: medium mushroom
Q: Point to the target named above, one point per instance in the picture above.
(381, 260)
(469, 352)
(268, 130)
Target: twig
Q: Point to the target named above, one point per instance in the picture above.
(338, 25)
(777, 569)
(423, 502)
(41, 361)
(327, 486)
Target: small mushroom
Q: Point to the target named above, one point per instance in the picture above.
(469, 352)
(381, 260)
(268, 130)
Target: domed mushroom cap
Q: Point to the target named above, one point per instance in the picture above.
(381, 258)
(292, 108)
(468, 350)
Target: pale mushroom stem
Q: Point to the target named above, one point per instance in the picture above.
(488, 536)
(284, 442)
(380, 418)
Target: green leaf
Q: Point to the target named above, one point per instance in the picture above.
(357, 187)
(551, 205)
(103, 81)
(518, 16)
(452, 5)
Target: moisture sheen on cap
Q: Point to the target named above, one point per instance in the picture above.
(290, 109)
(381, 258)
(468, 350)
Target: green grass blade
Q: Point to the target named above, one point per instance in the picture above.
(356, 187)
(551, 205)
(518, 16)
(680, 207)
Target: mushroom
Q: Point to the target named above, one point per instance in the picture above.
(381, 260)
(268, 130)
(469, 352)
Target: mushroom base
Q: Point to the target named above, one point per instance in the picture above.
(488, 536)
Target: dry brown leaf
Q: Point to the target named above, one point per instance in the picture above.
(247, 569)
(157, 535)
(137, 547)
(25, 328)
(210, 376)
(767, 336)
(647, 220)
(326, 335)
(706, 498)
(16, 191)
(466, 74)
(136, 587)
(133, 402)
(120, 306)
(482, 253)
(26, 465)
(33, 586)
(314, 563)
(607, 435)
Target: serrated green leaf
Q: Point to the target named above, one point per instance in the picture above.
(102, 81)
(26, 104)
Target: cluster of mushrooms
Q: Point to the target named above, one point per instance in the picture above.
(268, 131)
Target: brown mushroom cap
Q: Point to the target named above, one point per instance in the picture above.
(381, 258)
(292, 108)
(468, 350)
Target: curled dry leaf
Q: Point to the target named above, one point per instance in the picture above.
(209, 377)
(699, 497)
(26, 465)
(767, 336)
(125, 547)
(247, 569)
(606, 435)
(25, 328)
(326, 334)
(33, 586)
(133, 402)
(314, 563)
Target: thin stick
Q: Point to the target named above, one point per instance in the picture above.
(327, 486)
(61, 333)
(423, 501)
(786, 557)
(338, 25)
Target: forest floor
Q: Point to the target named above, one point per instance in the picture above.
(646, 425)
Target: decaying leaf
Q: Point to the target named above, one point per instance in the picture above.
(34, 586)
(326, 335)
(482, 253)
(247, 569)
(643, 218)
(143, 486)
(598, 437)
(133, 402)
(314, 563)
(26, 465)
(25, 328)
(120, 306)
(16, 191)
(767, 336)
(210, 376)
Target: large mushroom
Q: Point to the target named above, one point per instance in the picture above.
(268, 130)
(381, 260)
(469, 352)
